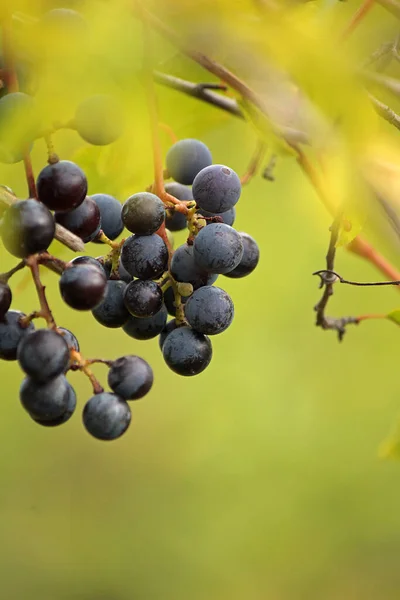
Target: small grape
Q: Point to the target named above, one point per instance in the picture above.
(121, 274)
(5, 299)
(187, 352)
(43, 355)
(28, 227)
(45, 401)
(227, 217)
(110, 213)
(70, 338)
(62, 186)
(84, 221)
(71, 406)
(186, 159)
(143, 298)
(145, 256)
(83, 287)
(106, 416)
(170, 326)
(169, 301)
(143, 213)
(185, 269)
(209, 310)
(217, 188)
(249, 260)
(218, 248)
(87, 260)
(176, 221)
(111, 312)
(11, 334)
(99, 120)
(130, 377)
(142, 328)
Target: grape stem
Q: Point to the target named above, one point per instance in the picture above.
(357, 17)
(4, 277)
(254, 164)
(33, 263)
(83, 365)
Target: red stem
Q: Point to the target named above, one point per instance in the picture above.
(357, 18)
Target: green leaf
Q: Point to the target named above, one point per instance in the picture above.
(390, 447)
(394, 316)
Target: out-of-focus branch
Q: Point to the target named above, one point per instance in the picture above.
(358, 16)
(393, 6)
(385, 112)
(254, 163)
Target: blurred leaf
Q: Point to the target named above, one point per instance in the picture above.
(394, 316)
(390, 448)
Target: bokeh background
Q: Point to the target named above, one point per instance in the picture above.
(258, 479)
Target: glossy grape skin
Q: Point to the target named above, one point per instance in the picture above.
(186, 351)
(66, 415)
(143, 298)
(43, 355)
(143, 213)
(99, 120)
(217, 188)
(185, 269)
(28, 227)
(177, 221)
(209, 310)
(249, 260)
(88, 260)
(110, 213)
(70, 338)
(84, 221)
(170, 326)
(130, 377)
(106, 416)
(45, 401)
(146, 328)
(83, 287)
(5, 299)
(145, 256)
(19, 125)
(186, 158)
(227, 217)
(11, 334)
(62, 186)
(111, 312)
(218, 248)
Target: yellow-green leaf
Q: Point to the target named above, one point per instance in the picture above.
(394, 316)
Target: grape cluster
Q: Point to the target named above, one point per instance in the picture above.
(135, 285)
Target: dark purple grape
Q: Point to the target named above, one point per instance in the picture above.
(145, 256)
(218, 248)
(99, 120)
(11, 333)
(209, 310)
(5, 299)
(187, 352)
(19, 126)
(146, 328)
(186, 159)
(28, 227)
(43, 355)
(111, 312)
(84, 221)
(83, 287)
(71, 405)
(88, 260)
(143, 298)
(179, 191)
(45, 401)
(70, 338)
(130, 377)
(249, 260)
(176, 221)
(62, 186)
(121, 274)
(170, 326)
(143, 213)
(110, 212)
(185, 269)
(216, 188)
(169, 301)
(106, 416)
(227, 217)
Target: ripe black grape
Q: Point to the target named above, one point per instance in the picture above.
(216, 188)
(99, 120)
(249, 260)
(142, 328)
(209, 310)
(185, 269)
(176, 221)
(45, 401)
(43, 354)
(70, 338)
(120, 274)
(87, 260)
(83, 287)
(170, 326)
(145, 256)
(11, 334)
(62, 186)
(186, 159)
(110, 213)
(28, 227)
(84, 221)
(130, 377)
(5, 299)
(187, 352)
(169, 301)
(143, 298)
(227, 217)
(218, 248)
(143, 213)
(66, 415)
(106, 416)
(112, 312)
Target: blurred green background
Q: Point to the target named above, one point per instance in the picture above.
(258, 479)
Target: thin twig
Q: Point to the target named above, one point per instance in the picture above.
(385, 112)
(4, 277)
(331, 276)
(358, 16)
(393, 6)
(254, 163)
(45, 311)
